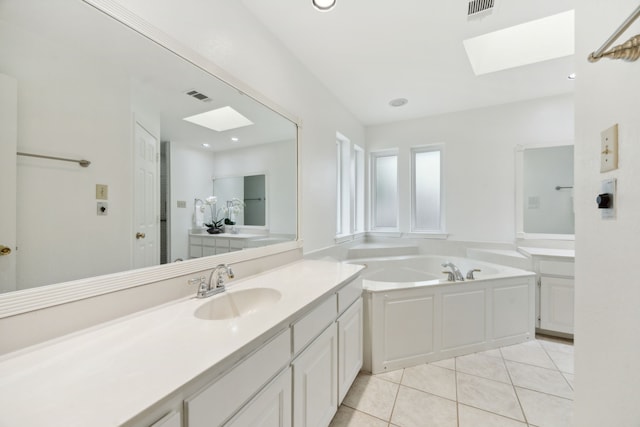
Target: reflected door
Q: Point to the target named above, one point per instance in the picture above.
(146, 194)
(8, 146)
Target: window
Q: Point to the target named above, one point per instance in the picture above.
(384, 190)
(350, 187)
(426, 195)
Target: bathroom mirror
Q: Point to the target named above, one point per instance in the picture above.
(244, 197)
(544, 202)
(89, 87)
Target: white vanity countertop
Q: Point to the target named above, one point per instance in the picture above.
(109, 374)
(561, 253)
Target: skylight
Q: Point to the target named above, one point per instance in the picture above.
(534, 41)
(221, 119)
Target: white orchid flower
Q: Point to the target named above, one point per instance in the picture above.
(211, 200)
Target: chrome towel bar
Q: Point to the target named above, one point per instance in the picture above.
(629, 50)
(83, 163)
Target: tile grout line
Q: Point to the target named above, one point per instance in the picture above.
(455, 370)
(557, 367)
(526, 421)
(393, 408)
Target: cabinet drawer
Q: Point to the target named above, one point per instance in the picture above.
(310, 326)
(222, 243)
(558, 268)
(195, 240)
(209, 241)
(348, 294)
(170, 420)
(218, 401)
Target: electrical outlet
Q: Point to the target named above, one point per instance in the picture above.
(102, 208)
(606, 200)
(609, 149)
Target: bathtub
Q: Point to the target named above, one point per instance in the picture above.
(414, 315)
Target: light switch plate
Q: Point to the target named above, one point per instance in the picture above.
(609, 149)
(102, 192)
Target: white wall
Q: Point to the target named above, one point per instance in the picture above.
(230, 36)
(63, 113)
(607, 318)
(278, 162)
(479, 160)
(191, 172)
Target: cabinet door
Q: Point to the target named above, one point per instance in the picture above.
(349, 347)
(315, 387)
(270, 408)
(556, 304)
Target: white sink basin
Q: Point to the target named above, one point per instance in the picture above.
(230, 304)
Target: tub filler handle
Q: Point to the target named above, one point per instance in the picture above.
(470, 273)
(450, 276)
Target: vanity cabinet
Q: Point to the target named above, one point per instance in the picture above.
(202, 245)
(270, 408)
(350, 348)
(297, 378)
(173, 419)
(315, 378)
(555, 291)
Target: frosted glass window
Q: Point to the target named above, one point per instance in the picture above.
(427, 205)
(385, 191)
(338, 187)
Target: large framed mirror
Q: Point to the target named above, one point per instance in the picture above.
(544, 192)
(78, 84)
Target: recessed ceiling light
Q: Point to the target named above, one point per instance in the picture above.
(205, 145)
(572, 76)
(534, 41)
(234, 139)
(324, 5)
(221, 119)
(398, 102)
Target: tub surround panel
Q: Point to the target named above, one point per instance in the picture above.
(112, 373)
(410, 323)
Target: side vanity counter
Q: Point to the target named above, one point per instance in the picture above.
(174, 366)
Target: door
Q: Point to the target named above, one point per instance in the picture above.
(146, 199)
(8, 146)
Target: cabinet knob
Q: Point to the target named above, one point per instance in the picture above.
(140, 235)
(4, 250)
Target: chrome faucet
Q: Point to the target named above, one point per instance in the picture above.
(213, 286)
(457, 274)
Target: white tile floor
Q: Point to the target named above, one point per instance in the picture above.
(529, 384)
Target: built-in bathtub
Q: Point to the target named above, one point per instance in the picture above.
(414, 315)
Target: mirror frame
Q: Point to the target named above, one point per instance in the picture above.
(23, 301)
(519, 194)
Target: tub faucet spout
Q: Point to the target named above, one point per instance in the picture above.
(456, 271)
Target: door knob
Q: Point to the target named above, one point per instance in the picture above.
(4, 250)
(140, 235)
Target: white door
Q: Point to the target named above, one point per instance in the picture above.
(8, 146)
(146, 249)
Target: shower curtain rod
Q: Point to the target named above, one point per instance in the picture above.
(629, 50)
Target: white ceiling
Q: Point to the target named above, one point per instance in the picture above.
(367, 52)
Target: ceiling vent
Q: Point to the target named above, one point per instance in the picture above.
(199, 96)
(479, 8)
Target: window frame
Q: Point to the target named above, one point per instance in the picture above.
(373, 155)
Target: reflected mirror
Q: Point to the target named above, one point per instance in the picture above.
(156, 130)
(547, 190)
(243, 199)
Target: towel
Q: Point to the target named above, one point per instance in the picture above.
(198, 216)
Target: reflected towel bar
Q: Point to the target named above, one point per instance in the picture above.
(629, 50)
(83, 163)
(558, 187)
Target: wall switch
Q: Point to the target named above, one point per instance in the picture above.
(102, 208)
(609, 149)
(102, 192)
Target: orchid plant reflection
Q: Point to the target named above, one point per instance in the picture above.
(215, 223)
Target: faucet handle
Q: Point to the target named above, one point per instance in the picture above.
(450, 276)
(470, 273)
(201, 282)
